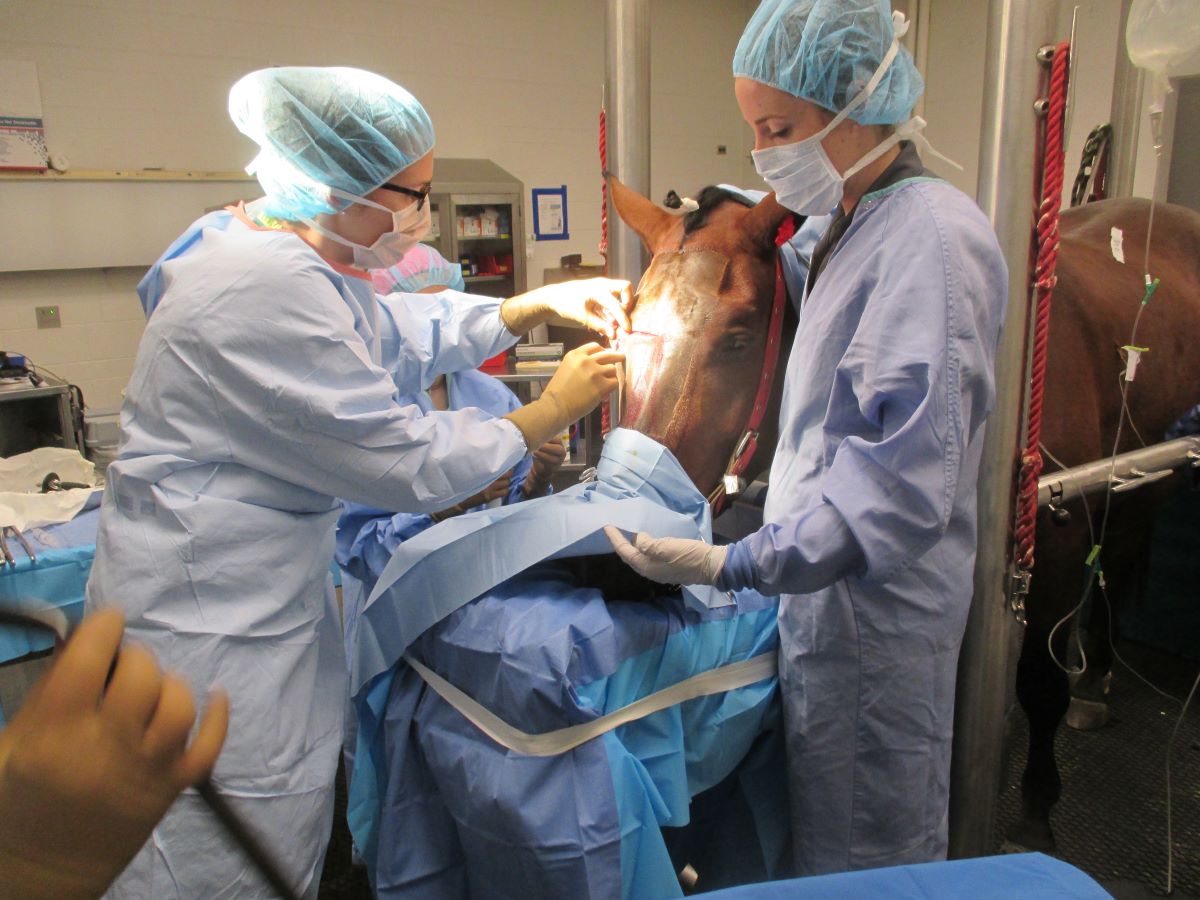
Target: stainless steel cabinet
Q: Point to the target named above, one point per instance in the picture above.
(479, 221)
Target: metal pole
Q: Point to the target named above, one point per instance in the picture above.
(627, 92)
(1126, 115)
(1126, 472)
(1016, 29)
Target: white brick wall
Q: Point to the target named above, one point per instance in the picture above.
(102, 324)
(138, 83)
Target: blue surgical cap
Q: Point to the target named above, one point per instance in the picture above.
(422, 267)
(326, 127)
(825, 52)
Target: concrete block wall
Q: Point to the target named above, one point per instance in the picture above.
(128, 84)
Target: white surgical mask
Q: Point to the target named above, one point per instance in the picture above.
(801, 174)
(409, 225)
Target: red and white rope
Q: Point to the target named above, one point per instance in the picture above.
(1044, 280)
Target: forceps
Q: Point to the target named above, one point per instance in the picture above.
(44, 617)
(6, 554)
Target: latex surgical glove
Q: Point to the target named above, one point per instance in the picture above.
(87, 771)
(585, 376)
(601, 304)
(547, 459)
(497, 490)
(669, 560)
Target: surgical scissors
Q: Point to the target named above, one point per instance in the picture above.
(48, 618)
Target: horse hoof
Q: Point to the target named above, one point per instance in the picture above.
(1086, 715)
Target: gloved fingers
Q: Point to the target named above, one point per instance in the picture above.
(550, 453)
(497, 488)
(608, 308)
(76, 681)
(601, 355)
(650, 546)
(133, 691)
(629, 554)
(601, 304)
(601, 363)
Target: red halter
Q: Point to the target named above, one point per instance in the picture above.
(743, 451)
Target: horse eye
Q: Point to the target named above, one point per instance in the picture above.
(735, 342)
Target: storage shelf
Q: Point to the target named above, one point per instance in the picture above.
(127, 175)
(471, 279)
(488, 237)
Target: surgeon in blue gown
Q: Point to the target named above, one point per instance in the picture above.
(268, 382)
(367, 536)
(869, 526)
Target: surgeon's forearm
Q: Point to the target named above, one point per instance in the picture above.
(521, 314)
(802, 554)
(450, 512)
(540, 420)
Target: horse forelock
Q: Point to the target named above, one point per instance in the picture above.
(711, 198)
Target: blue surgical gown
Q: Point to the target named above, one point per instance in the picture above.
(441, 810)
(870, 521)
(368, 536)
(267, 383)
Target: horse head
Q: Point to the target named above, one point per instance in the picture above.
(700, 323)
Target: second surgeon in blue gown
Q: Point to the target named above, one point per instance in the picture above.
(870, 518)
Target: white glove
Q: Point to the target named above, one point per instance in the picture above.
(669, 560)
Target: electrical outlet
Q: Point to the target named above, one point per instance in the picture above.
(722, 149)
(48, 317)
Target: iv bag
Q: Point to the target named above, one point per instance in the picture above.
(1163, 36)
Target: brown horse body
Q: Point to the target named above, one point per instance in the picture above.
(1096, 301)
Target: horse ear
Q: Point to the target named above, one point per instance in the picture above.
(640, 214)
(762, 223)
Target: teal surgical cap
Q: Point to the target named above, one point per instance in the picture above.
(825, 52)
(325, 128)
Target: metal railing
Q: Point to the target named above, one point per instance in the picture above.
(1123, 473)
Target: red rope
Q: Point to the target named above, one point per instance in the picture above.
(1044, 280)
(606, 406)
(604, 186)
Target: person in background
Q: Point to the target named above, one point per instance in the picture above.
(869, 528)
(267, 384)
(368, 536)
(92, 760)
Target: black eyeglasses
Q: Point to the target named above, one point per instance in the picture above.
(419, 193)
